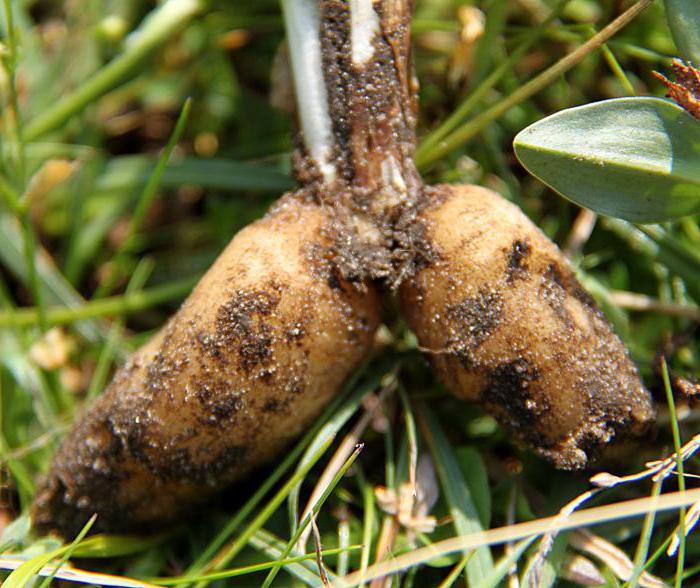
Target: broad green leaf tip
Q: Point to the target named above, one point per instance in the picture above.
(632, 158)
(684, 21)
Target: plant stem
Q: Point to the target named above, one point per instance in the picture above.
(32, 274)
(115, 305)
(249, 569)
(144, 201)
(303, 22)
(269, 509)
(476, 125)
(104, 360)
(20, 205)
(312, 513)
(156, 29)
(679, 466)
(431, 141)
(356, 100)
(13, 115)
(591, 516)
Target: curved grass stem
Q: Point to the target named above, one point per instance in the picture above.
(472, 101)
(156, 29)
(469, 130)
(112, 306)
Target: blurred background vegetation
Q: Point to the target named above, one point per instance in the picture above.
(98, 246)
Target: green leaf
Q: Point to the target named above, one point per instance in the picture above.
(547, 571)
(71, 548)
(128, 171)
(476, 477)
(15, 533)
(684, 21)
(458, 495)
(106, 546)
(631, 158)
(53, 285)
(24, 573)
(504, 565)
(306, 571)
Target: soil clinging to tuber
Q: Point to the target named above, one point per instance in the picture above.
(289, 309)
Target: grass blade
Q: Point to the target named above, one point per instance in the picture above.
(24, 573)
(457, 493)
(322, 434)
(312, 513)
(502, 567)
(156, 29)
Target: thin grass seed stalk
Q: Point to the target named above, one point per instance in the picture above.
(290, 307)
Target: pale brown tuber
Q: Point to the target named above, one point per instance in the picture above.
(505, 323)
(264, 341)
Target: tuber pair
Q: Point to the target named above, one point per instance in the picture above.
(290, 307)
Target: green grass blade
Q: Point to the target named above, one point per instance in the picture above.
(369, 520)
(99, 378)
(471, 128)
(459, 497)
(644, 542)
(482, 90)
(315, 508)
(24, 573)
(654, 243)
(544, 574)
(123, 173)
(155, 178)
(108, 546)
(145, 199)
(20, 577)
(267, 511)
(679, 468)
(306, 570)
(104, 307)
(226, 174)
(55, 289)
(71, 549)
(336, 414)
(503, 565)
(261, 567)
(156, 29)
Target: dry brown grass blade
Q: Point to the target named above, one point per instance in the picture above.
(319, 556)
(387, 537)
(591, 516)
(613, 557)
(642, 303)
(691, 520)
(659, 469)
(582, 571)
(513, 579)
(72, 574)
(533, 578)
(580, 232)
(342, 454)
